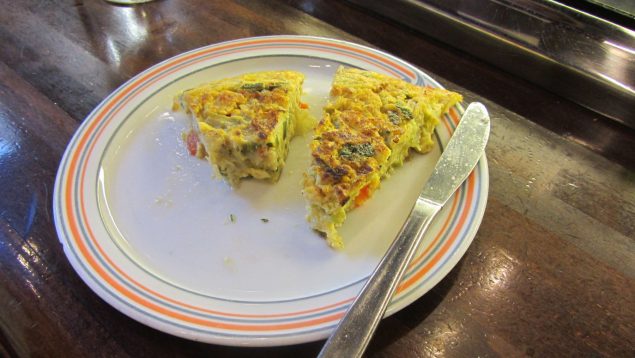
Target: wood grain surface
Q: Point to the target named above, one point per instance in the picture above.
(550, 273)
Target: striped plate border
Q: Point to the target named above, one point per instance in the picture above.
(262, 324)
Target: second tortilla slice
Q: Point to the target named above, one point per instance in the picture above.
(368, 128)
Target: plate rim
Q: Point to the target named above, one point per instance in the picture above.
(292, 338)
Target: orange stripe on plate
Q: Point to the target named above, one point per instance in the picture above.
(455, 116)
(418, 259)
(447, 126)
(343, 46)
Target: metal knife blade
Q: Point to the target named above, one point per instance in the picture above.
(461, 155)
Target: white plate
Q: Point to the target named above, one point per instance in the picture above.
(148, 229)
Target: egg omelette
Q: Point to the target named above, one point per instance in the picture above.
(368, 127)
(243, 124)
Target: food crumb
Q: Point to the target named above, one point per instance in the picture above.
(228, 262)
(163, 201)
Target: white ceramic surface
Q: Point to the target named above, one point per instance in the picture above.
(149, 229)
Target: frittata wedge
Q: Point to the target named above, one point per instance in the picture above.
(243, 124)
(368, 127)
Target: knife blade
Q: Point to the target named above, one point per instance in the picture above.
(457, 161)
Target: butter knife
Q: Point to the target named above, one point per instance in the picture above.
(459, 158)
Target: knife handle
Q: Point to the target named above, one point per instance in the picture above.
(355, 330)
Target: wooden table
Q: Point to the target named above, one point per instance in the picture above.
(550, 272)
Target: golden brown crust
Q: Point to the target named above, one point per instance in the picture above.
(262, 109)
(245, 123)
(368, 127)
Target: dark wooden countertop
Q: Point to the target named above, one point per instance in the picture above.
(550, 272)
